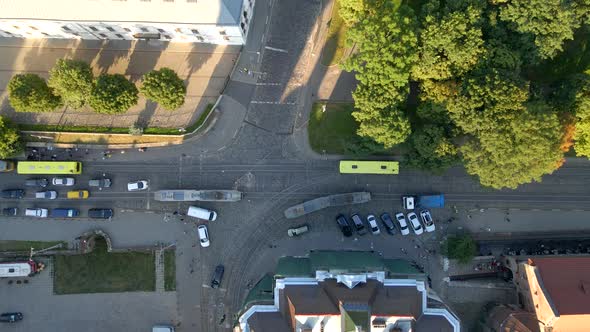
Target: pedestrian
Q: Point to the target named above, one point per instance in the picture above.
(181, 219)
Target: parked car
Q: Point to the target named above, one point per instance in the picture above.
(67, 182)
(403, 225)
(203, 235)
(78, 194)
(100, 213)
(37, 183)
(359, 226)
(10, 212)
(11, 317)
(36, 212)
(344, 225)
(64, 213)
(12, 193)
(163, 328)
(427, 220)
(298, 230)
(100, 183)
(200, 213)
(48, 194)
(409, 202)
(217, 276)
(373, 224)
(137, 185)
(388, 223)
(415, 223)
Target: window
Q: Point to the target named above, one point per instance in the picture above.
(110, 29)
(201, 39)
(32, 27)
(222, 32)
(10, 270)
(245, 14)
(354, 167)
(161, 30)
(195, 31)
(144, 29)
(383, 167)
(44, 34)
(119, 35)
(93, 28)
(102, 35)
(167, 37)
(16, 26)
(66, 28)
(127, 29)
(243, 26)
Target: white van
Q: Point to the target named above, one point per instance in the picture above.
(162, 328)
(201, 213)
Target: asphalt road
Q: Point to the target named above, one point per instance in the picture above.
(265, 158)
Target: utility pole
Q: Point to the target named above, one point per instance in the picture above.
(33, 252)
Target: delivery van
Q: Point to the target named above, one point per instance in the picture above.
(197, 212)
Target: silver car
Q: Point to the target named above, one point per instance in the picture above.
(68, 182)
(49, 194)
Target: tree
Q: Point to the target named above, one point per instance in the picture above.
(30, 93)
(551, 22)
(72, 80)
(581, 107)
(450, 46)
(113, 94)
(431, 149)
(460, 247)
(516, 152)
(10, 143)
(387, 127)
(164, 87)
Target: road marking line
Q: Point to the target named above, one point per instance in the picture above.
(270, 84)
(276, 49)
(272, 102)
(267, 17)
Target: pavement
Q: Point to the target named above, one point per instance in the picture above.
(205, 69)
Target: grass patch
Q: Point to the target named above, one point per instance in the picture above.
(27, 245)
(200, 120)
(336, 40)
(102, 272)
(169, 270)
(333, 130)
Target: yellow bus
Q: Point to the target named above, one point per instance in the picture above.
(49, 167)
(368, 167)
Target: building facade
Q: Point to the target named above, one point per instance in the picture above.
(339, 299)
(191, 21)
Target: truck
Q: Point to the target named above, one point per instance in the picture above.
(181, 195)
(423, 201)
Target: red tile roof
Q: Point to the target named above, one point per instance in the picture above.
(567, 281)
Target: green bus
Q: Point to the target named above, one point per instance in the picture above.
(49, 167)
(368, 167)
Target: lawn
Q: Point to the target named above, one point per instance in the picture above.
(27, 245)
(169, 270)
(333, 130)
(336, 39)
(102, 272)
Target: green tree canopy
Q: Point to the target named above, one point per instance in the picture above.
(582, 110)
(164, 87)
(516, 152)
(30, 93)
(460, 247)
(551, 22)
(72, 80)
(387, 127)
(431, 149)
(10, 143)
(113, 94)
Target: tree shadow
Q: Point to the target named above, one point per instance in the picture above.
(145, 116)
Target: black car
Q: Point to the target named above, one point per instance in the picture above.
(12, 193)
(100, 213)
(11, 317)
(388, 223)
(344, 225)
(10, 212)
(217, 276)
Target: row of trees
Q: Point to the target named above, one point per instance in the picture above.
(72, 83)
(476, 69)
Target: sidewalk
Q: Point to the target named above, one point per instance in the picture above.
(204, 68)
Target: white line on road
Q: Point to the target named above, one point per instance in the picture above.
(271, 102)
(271, 84)
(267, 18)
(276, 49)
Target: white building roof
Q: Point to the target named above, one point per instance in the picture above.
(222, 12)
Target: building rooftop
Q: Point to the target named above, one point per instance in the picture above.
(218, 12)
(567, 283)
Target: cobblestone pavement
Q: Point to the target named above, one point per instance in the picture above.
(205, 69)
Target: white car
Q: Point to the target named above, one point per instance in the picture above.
(373, 224)
(427, 220)
(50, 194)
(137, 185)
(203, 236)
(63, 182)
(403, 225)
(413, 218)
(38, 213)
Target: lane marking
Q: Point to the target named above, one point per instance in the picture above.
(272, 102)
(270, 84)
(276, 49)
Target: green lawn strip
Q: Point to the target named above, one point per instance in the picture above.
(200, 120)
(331, 131)
(336, 39)
(102, 272)
(169, 270)
(27, 245)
